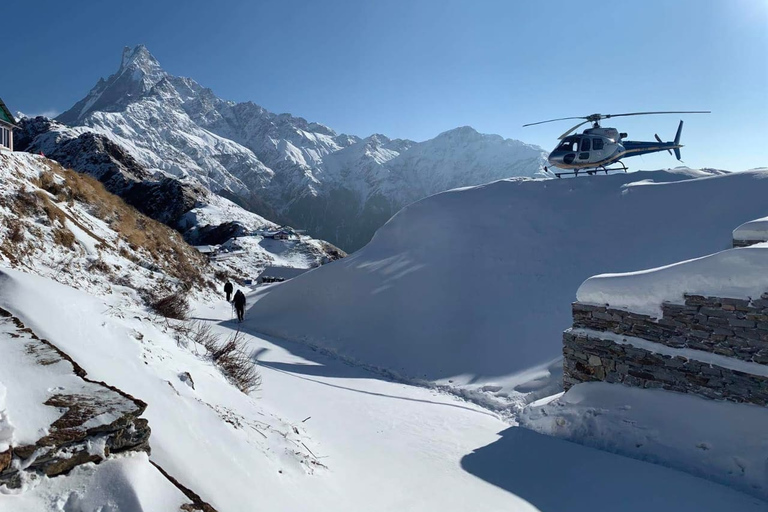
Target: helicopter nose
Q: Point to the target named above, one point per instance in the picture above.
(561, 158)
(555, 157)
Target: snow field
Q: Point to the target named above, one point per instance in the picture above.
(337, 437)
(471, 289)
(123, 483)
(718, 440)
(213, 439)
(6, 428)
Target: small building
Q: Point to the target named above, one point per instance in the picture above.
(210, 251)
(7, 124)
(278, 274)
(281, 234)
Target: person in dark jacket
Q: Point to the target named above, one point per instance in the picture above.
(239, 302)
(228, 289)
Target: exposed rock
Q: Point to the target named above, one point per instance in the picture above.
(5, 460)
(186, 378)
(745, 243)
(96, 419)
(215, 235)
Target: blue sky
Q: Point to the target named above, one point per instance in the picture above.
(413, 69)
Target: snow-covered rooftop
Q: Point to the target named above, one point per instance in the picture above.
(754, 230)
(736, 273)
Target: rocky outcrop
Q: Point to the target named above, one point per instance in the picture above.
(82, 150)
(94, 419)
(672, 352)
(215, 235)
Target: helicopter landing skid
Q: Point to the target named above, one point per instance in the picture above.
(590, 171)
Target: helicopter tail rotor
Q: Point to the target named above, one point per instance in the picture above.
(677, 140)
(658, 139)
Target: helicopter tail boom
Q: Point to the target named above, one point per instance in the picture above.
(677, 140)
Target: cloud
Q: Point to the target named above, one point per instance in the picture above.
(50, 113)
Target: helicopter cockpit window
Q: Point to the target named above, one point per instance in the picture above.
(584, 144)
(597, 144)
(569, 144)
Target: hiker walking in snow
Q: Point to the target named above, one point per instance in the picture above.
(239, 302)
(228, 289)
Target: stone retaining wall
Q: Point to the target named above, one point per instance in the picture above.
(746, 243)
(729, 327)
(734, 328)
(590, 358)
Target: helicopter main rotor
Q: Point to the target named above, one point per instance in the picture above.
(596, 118)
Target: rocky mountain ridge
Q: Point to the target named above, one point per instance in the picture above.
(340, 187)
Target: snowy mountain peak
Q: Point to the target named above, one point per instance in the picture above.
(139, 72)
(377, 139)
(138, 57)
(281, 165)
(460, 132)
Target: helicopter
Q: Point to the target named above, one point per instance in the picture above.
(597, 148)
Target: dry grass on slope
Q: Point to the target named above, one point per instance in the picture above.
(146, 237)
(44, 208)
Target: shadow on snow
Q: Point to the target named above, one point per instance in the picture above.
(557, 475)
(323, 366)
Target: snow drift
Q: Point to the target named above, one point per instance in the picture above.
(752, 231)
(472, 287)
(735, 273)
(718, 440)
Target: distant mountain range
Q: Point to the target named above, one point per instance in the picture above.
(339, 187)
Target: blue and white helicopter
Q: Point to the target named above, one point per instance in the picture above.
(597, 148)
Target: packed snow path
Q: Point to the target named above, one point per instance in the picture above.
(392, 446)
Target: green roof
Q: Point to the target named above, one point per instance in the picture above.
(5, 114)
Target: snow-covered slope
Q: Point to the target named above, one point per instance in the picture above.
(472, 288)
(318, 435)
(60, 224)
(203, 217)
(719, 440)
(340, 187)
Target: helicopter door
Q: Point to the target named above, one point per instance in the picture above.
(597, 149)
(584, 147)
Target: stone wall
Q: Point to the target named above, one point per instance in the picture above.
(745, 243)
(734, 328)
(729, 327)
(591, 358)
